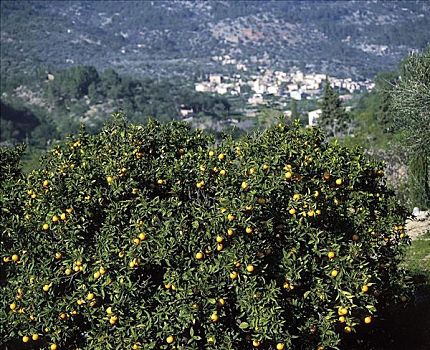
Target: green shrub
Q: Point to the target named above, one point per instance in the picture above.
(152, 237)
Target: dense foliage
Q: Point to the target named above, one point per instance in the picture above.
(152, 237)
(79, 93)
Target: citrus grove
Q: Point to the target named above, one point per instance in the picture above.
(153, 237)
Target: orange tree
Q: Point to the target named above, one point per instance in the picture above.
(153, 237)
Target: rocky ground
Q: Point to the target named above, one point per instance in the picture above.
(418, 224)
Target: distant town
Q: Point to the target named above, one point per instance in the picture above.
(263, 85)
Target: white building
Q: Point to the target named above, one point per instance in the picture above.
(296, 95)
(313, 117)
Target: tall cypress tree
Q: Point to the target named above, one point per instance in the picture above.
(333, 119)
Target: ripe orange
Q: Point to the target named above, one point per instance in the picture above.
(255, 343)
(221, 156)
(244, 185)
(45, 226)
(45, 183)
(230, 217)
(248, 230)
(296, 196)
(68, 272)
(96, 275)
(25, 339)
(365, 288)
(219, 247)
(347, 329)
(170, 339)
(342, 311)
(15, 257)
(219, 239)
(211, 153)
(292, 211)
(54, 346)
(339, 182)
(230, 232)
(199, 256)
(280, 346)
(250, 268)
(265, 167)
(90, 296)
(55, 218)
(342, 319)
(113, 320)
(58, 255)
(214, 317)
(46, 287)
(109, 179)
(222, 172)
(200, 184)
(331, 255)
(35, 336)
(334, 273)
(221, 302)
(12, 306)
(233, 275)
(367, 319)
(288, 175)
(136, 241)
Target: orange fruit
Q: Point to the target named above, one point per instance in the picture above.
(250, 268)
(25, 339)
(45, 226)
(255, 343)
(280, 346)
(199, 256)
(288, 175)
(35, 336)
(170, 339)
(248, 230)
(342, 311)
(339, 182)
(367, 319)
(334, 273)
(233, 275)
(365, 288)
(54, 347)
(214, 317)
(292, 211)
(15, 257)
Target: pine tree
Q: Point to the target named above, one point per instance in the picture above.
(333, 119)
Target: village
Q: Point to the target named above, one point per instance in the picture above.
(265, 85)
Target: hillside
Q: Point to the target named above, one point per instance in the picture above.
(355, 39)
